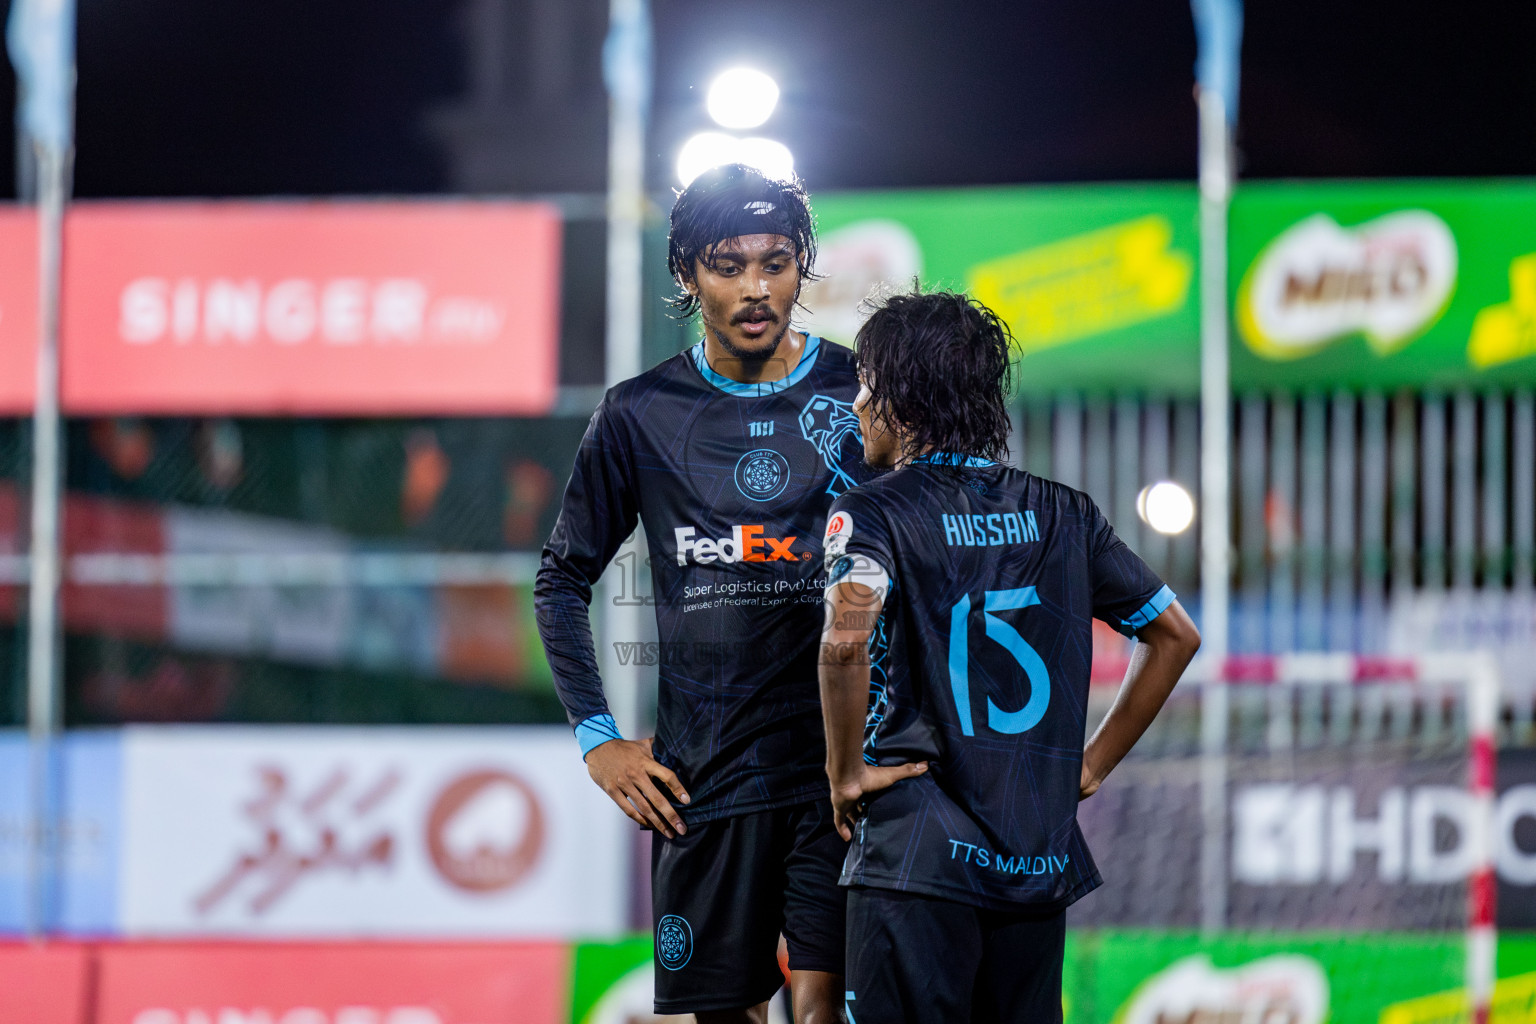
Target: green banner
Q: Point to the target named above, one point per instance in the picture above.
(1142, 977)
(1130, 977)
(613, 982)
(1124, 976)
(1096, 282)
(1333, 284)
(1383, 285)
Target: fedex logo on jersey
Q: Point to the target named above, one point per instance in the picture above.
(745, 544)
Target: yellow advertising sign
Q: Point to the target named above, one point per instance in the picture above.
(1088, 284)
(1514, 1002)
(1507, 331)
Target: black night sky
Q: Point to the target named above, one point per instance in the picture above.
(400, 96)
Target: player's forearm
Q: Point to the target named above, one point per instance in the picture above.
(1157, 662)
(565, 628)
(844, 676)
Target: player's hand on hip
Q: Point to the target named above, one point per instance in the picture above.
(625, 770)
(848, 798)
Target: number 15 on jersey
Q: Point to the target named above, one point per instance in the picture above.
(1029, 660)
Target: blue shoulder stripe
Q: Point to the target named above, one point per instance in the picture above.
(1151, 610)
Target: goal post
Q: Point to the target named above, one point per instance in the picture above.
(1352, 802)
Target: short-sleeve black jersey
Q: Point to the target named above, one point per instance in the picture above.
(732, 482)
(980, 666)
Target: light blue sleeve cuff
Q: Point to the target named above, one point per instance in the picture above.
(1151, 610)
(599, 729)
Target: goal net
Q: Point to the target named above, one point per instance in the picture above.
(1308, 838)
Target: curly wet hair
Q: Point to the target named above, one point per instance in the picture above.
(938, 365)
(706, 212)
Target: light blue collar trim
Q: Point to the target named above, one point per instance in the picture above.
(758, 389)
(954, 459)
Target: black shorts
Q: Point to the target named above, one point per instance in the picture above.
(916, 959)
(723, 892)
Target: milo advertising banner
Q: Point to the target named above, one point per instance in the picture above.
(1383, 285)
(1097, 282)
(1124, 976)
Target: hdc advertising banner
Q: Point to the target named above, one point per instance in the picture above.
(335, 832)
(304, 308)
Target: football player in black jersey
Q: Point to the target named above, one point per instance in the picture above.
(954, 679)
(729, 453)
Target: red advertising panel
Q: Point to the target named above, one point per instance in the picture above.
(18, 309)
(307, 308)
(364, 984)
(42, 984)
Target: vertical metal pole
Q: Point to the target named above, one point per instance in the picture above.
(43, 594)
(1067, 443)
(1283, 526)
(1483, 700)
(1314, 524)
(1404, 496)
(1098, 469)
(627, 71)
(1464, 500)
(1252, 480)
(1523, 492)
(1495, 546)
(1215, 519)
(1342, 606)
(1432, 462)
(1373, 521)
(1127, 471)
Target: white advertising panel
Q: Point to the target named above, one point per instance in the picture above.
(399, 832)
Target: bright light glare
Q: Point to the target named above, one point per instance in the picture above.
(703, 151)
(711, 149)
(772, 158)
(741, 98)
(1166, 507)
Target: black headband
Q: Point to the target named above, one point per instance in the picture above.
(764, 215)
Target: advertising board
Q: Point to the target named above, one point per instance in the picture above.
(1384, 284)
(82, 894)
(43, 985)
(380, 983)
(1089, 278)
(335, 832)
(307, 308)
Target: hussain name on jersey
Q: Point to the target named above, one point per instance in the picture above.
(979, 666)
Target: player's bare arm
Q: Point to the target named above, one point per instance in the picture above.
(1164, 649)
(844, 674)
(626, 771)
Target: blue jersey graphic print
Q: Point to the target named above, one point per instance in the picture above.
(984, 646)
(732, 482)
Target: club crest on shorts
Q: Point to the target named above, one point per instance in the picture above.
(762, 474)
(839, 529)
(674, 942)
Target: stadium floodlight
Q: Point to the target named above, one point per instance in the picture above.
(711, 149)
(1166, 507)
(741, 98)
(772, 158)
(703, 151)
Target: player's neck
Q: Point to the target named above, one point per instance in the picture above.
(907, 460)
(747, 370)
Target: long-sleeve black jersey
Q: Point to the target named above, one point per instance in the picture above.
(980, 662)
(732, 482)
